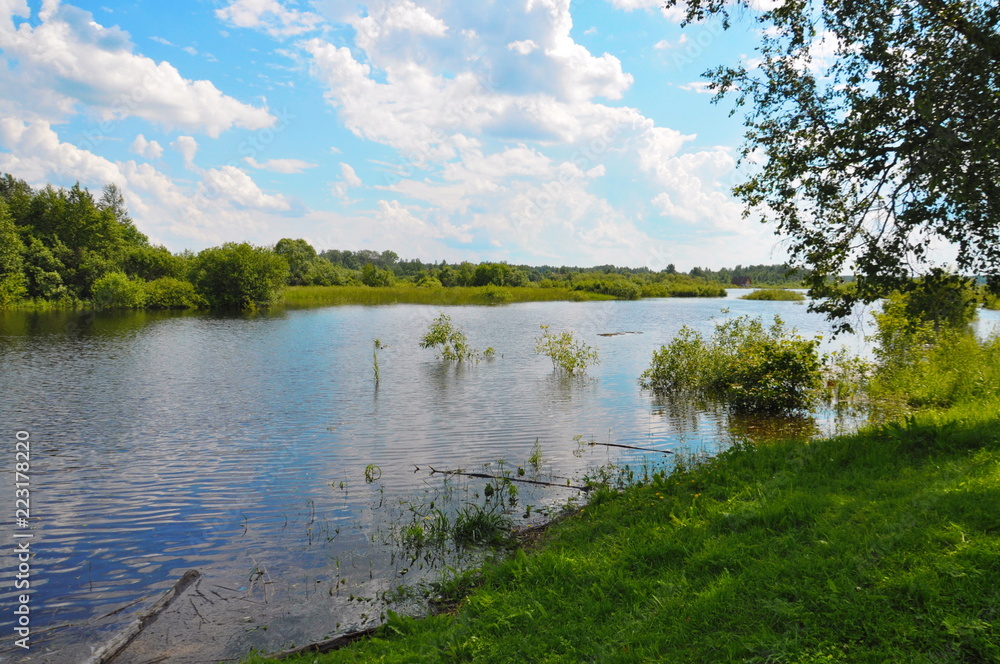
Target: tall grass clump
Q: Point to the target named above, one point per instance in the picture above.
(931, 358)
(775, 295)
(750, 367)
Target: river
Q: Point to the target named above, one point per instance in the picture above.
(238, 445)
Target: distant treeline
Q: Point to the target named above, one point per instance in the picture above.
(64, 247)
(764, 275)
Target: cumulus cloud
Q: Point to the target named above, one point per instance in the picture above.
(225, 205)
(146, 149)
(348, 180)
(235, 186)
(269, 16)
(69, 55)
(187, 147)
(394, 20)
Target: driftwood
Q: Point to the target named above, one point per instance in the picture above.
(630, 447)
(113, 648)
(487, 476)
(325, 646)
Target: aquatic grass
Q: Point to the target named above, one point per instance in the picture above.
(775, 294)
(317, 296)
(880, 546)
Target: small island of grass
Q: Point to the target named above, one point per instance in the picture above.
(775, 294)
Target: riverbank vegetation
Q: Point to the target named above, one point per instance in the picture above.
(875, 546)
(67, 249)
(749, 366)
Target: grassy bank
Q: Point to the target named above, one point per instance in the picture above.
(310, 296)
(877, 547)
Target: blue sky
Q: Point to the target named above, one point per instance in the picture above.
(532, 131)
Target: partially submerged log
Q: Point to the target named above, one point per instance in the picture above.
(114, 647)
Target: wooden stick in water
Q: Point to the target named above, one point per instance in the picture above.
(114, 647)
(487, 476)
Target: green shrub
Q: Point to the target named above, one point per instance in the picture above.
(620, 288)
(450, 342)
(427, 281)
(565, 351)
(115, 290)
(497, 294)
(170, 293)
(749, 367)
(924, 362)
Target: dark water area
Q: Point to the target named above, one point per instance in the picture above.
(238, 445)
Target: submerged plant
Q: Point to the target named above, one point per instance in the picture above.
(565, 351)
(376, 346)
(450, 342)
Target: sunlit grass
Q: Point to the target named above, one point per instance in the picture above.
(876, 547)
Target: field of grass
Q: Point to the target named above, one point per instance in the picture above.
(878, 547)
(309, 296)
(775, 294)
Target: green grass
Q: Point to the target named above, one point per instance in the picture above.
(775, 294)
(878, 547)
(309, 296)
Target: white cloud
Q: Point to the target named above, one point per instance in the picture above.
(348, 180)
(187, 147)
(236, 187)
(226, 205)
(524, 47)
(394, 20)
(36, 153)
(288, 166)
(71, 57)
(401, 101)
(269, 16)
(350, 177)
(699, 87)
(675, 14)
(664, 44)
(146, 149)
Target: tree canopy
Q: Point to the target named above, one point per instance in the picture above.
(879, 126)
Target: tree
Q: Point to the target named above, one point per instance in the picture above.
(12, 282)
(373, 276)
(498, 274)
(872, 156)
(239, 276)
(300, 256)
